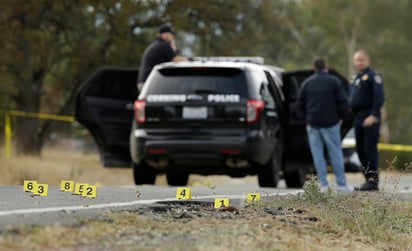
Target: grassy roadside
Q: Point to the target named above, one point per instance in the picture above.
(56, 165)
(308, 221)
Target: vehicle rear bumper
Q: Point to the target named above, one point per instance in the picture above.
(196, 153)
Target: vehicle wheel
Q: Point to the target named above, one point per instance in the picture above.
(269, 174)
(353, 168)
(143, 174)
(296, 178)
(177, 178)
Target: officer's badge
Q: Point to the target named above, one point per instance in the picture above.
(357, 83)
(365, 77)
(378, 79)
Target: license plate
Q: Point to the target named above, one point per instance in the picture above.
(194, 112)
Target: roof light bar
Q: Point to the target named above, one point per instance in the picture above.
(256, 60)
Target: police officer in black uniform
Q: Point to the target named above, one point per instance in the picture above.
(163, 49)
(366, 100)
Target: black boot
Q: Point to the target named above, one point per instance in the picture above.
(368, 186)
(371, 183)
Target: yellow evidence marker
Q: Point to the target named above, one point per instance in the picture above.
(67, 185)
(221, 202)
(29, 185)
(90, 191)
(79, 188)
(253, 197)
(41, 189)
(183, 193)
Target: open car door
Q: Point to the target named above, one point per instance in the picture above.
(297, 152)
(104, 106)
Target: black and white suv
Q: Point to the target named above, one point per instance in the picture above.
(200, 117)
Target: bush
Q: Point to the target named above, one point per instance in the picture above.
(401, 161)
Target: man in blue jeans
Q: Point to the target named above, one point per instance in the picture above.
(322, 101)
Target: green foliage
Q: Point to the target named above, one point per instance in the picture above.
(51, 47)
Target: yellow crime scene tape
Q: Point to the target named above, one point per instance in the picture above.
(8, 128)
(7, 138)
(388, 147)
(42, 116)
(395, 147)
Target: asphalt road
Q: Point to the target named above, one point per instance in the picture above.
(21, 208)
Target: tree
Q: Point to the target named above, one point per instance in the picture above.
(51, 46)
(32, 44)
(233, 28)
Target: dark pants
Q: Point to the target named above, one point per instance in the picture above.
(367, 139)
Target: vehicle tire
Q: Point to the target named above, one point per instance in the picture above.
(177, 178)
(269, 174)
(295, 178)
(143, 174)
(352, 168)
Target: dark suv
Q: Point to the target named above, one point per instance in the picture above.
(200, 117)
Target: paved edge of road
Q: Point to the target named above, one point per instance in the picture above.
(126, 204)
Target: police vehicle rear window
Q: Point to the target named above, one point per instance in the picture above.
(199, 81)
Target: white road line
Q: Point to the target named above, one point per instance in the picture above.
(123, 204)
(74, 208)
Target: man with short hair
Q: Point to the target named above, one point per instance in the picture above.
(323, 102)
(366, 100)
(163, 49)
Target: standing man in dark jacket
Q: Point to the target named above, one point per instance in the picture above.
(163, 49)
(323, 102)
(366, 100)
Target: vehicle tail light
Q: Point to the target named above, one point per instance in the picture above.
(254, 108)
(140, 111)
(157, 151)
(230, 151)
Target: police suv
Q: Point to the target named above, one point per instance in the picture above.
(229, 116)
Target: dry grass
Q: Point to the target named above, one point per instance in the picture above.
(133, 232)
(308, 221)
(56, 165)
